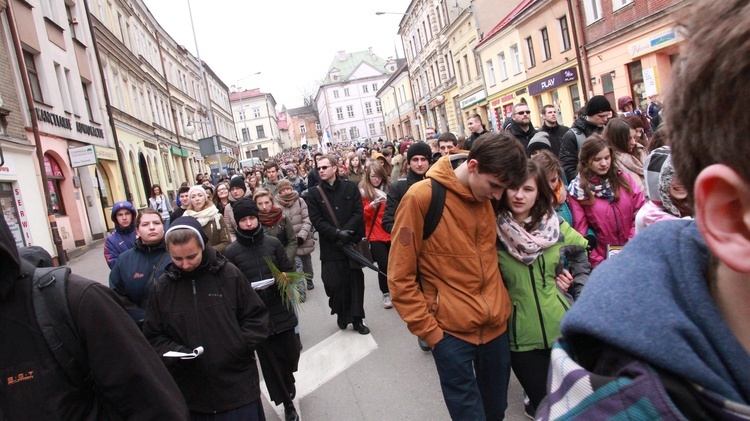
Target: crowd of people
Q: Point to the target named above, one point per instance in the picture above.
(538, 250)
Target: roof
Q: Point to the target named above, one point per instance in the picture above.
(506, 21)
(293, 112)
(350, 63)
(252, 93)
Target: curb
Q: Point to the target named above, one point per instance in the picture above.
(80, 251)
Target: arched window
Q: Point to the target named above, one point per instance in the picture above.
(55, 178)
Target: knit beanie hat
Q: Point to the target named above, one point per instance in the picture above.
(282, 184)
(237, 182)
(652, 169)
(538, 142)
(597, 104)
(244, 207)
(190, 223)
(198, 188)
(419, 148)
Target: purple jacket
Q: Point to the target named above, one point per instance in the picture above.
(121, 239)
(613, 223)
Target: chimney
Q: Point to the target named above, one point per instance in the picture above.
(369, 49)
(342, 55)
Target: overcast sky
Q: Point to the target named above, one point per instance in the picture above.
(291, 42)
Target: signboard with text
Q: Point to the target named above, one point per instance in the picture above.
(82, 156)
(551, 82)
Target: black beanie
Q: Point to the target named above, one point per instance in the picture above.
(244, 207)
(598, 104)
(188, 222)
(237, 182)
(419, 148)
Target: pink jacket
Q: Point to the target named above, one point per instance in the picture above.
(613, 223)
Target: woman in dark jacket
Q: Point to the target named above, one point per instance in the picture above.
(204, 306)
(279, 353)
(137, 269)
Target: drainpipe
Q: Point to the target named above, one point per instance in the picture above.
(121, 159)
(62, 257)
(583, 61)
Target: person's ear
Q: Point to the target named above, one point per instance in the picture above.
(473, 166)
(722, 212)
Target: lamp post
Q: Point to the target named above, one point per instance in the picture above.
(190, 129)
(422, 76)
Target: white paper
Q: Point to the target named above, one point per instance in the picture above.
(184, 355)
(263, 284)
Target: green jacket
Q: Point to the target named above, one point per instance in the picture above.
(538, 305)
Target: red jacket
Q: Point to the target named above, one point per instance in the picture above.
(378, 233)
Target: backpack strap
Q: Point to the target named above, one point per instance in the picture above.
(435, 211)
(50, 300)
(580, 137)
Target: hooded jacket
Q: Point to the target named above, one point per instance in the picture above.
(569, 146)
(214, 307)
(248, 253)
(132, 273)
(650, 309)
(395, 194)
(300, 218)
(35, 387)
(122, 238)
(463, 292)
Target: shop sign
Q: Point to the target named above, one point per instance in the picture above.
(495, 103)
(507, 98)
(473, 99)
(177, 151)
(423, 109)
(64, 122)
(520, 91)
(654, 42)
(7, 167)
(106, 153)
(23, 219)
(558, 79)
(82, 156)
(150, 145)
(649, 81)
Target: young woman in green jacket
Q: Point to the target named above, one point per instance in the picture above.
(532, 241)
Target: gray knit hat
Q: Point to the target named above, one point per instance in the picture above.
(652, 170)
(538, 142)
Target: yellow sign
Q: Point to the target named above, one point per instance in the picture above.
(109, 154)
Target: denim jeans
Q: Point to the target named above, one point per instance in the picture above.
(474, 378)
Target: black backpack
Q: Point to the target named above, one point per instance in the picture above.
(435, 211)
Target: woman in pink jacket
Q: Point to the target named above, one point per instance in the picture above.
(603, 198)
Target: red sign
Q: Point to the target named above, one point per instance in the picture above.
(507, 97)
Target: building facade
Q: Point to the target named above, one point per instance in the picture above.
(303, 123)
(397, 102)
(347, 103)
(256, 123)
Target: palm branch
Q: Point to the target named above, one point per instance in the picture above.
(287, 282)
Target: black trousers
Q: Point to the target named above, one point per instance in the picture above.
(345, 288)
(380, 250)
(530, 368)
(278, 356)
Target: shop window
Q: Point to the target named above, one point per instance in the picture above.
(637, 87)
(55, 178)
(575, 97)
(10, 212)
(609, 89)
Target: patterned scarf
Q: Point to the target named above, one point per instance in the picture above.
(287, 200)
(206, 215)
(600, 189)
(526, 246)
(272, 217)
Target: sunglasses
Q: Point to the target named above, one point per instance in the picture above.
(324, 167)
(524, 112)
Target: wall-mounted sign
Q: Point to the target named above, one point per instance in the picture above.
(473, 99)
(553, 81)
(82, 156)
(106, 153)
(653, 42)
(53, 119)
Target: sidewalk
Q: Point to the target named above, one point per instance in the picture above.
(91, 264)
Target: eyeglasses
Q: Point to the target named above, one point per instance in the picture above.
(523, 112)
(324, 167)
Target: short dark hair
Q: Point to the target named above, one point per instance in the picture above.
(447, 137)
(547, 107)
(477, 116)
(147, 211)
(501, 155)
(271, 164)
(183, 189)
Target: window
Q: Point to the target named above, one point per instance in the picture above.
(365, 89)
(335, 93)
(32, 73)
(302, 128)
(62, 86)
(439, 17)
(468, 72)
(372, 129)
(339, 113)
(374, 87)
(575, 97)
(245, 134)
(87, 99)
(564, 33)
(342, 132)
(503, 66)
(350, 111)
(530, 47)
(71, 17)
(241, 114)
(256, 112)
(261, 131)
(516, 57)
(346, 91)
(55, 178)
(617, 4)
(378, 108)
(354, 132)
(448, 66)
(490, 72)
(368, 108)
(460, 72)
(545, 44)
(593, 10)
(382, 127)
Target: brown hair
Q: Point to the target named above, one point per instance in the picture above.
(660, 138)
(366, 185)
(147, 211)
(548, 163)
(708, 124)
(180, 236)
(153, 187)
(617, 133)
(500, 155)
(216, 199)
(349, 158)
(544, 198)
(591, 147)
(260, 192)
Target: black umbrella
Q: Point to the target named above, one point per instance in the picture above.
(358, 258)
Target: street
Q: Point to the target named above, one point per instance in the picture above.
(346, 376)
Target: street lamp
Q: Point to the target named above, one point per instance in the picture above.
(422, 76)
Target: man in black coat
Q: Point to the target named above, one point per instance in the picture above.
(520, 126)
(555, 130)
(598, 112)
(126, 374)
(344, 285)
(476, 128)
(418, 157)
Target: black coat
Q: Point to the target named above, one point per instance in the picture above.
(523, 136)
(346, 202)
(569, 146)
(214, 307)
(470, 141)
(248, 253)
(395, 193)
(555, 136)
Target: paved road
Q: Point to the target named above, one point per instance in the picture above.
(346, 376)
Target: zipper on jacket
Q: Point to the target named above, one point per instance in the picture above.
(617, 226)
(514, 320)
(538, 307)
(200, 336)
(481, 267)
(564, 304)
